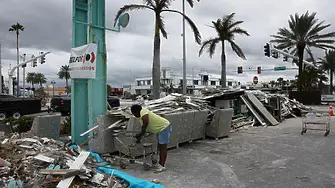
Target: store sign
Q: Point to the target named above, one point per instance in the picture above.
(82, 62)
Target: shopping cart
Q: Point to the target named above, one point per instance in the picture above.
(130, 149)
(316, 118)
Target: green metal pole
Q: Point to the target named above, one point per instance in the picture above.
(97, 88)
(79, 87)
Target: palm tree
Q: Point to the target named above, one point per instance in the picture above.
(302, 34)
(40, 79)
(17, 28)
(64, 73)
(31, 78)
(159, 7)
(272, 83)
(328, 64)
(226, 29)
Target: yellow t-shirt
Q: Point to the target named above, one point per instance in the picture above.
(156, 122)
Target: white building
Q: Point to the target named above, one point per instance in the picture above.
(194, 82)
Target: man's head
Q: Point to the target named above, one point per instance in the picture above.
(136, 110)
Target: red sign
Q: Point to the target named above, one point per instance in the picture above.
(255, 80)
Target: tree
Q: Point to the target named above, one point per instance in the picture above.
(302, 34)
(328, 64)
(272, 83)
(40, 79)
(159, 7)
(31, 78)
(280, 81)
(64, 73)
(109, 89)
(17, 28)
(226, 29)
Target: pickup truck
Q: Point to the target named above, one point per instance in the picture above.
(62, 103)
(16, 107)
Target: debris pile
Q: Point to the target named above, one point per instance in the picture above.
(41, 162)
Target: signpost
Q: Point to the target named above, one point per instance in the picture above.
(255, 80)
(88, 26)
(281, 68)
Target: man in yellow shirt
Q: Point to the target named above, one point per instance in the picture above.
(155, 124)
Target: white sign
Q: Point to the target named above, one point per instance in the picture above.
(82, 62)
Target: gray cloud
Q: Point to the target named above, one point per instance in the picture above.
(48, 27)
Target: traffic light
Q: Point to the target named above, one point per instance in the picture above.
(239, 70)
(267, 49)
(259, 70)
(24, 66)
(275, 54)
(285, 58)
(35, 63)
(42, 58)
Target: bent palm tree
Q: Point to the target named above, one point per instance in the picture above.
(64, 73)
(328, 64)
(226, 29)
(17, 28)
(302, 34)
(159, 7)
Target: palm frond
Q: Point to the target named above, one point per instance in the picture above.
(207, 44)
(161, 25)
(237, 49)
(191, 2)
(239, 31)
(194, 28)
(149, 3)
(130, 7)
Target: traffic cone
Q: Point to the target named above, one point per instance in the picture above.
(331, 111)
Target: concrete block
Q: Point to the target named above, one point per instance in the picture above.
(103, 141)
(175, 121)
(185, 130)
(47, 126)
(199, 124)
(221, 123)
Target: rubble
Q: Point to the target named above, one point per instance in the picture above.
(27, 161)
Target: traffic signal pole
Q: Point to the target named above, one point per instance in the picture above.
(10, 74)
(290, 55)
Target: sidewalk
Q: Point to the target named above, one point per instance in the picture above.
(259, 157)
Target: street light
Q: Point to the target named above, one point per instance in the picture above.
(53, 87)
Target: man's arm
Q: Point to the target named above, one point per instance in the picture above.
(145, 120)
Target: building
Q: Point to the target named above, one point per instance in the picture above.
(171, 81)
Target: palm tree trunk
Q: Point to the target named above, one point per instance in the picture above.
(223, 67)
(67, 85)
(156, 63)
(300, 62)
(18, 62)
(331, 82)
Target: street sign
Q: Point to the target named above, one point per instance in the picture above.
(280, 68)
(255, 80)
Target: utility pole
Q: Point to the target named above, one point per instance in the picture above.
(24, 75)
(184, 53)
(0, 73)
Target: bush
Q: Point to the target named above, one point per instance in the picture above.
(23, 124)
(66, 127)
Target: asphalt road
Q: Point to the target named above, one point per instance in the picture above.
(257, 157)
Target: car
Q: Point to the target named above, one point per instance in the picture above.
(62, 103)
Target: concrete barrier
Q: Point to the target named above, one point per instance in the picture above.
(47, 126)
(221, 124)
(103, 141)
(175, 121)
(199, 124)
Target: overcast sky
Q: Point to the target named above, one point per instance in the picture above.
(48, 27)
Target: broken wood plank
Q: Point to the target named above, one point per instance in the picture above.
(252, 110)
(77, 164)
(90, 130)
(44, 158)
(62, 172)
(115, 124)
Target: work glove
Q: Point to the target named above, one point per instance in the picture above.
(138, 138)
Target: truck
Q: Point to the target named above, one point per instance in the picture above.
(12, 106)
(62, 103)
